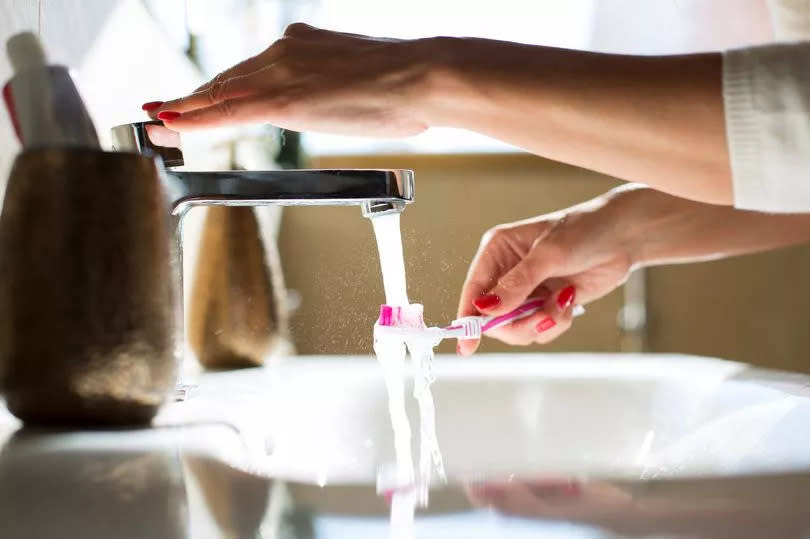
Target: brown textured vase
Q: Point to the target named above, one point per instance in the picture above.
(235, 312)
(87, 289)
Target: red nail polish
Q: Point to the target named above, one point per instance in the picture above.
(487, 301)
(151, 105)
(545, 324)
(458, 349)
(573, 489)
(168, 115)
(566, 297)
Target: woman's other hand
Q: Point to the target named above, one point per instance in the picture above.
(582, 253)
(570, 257)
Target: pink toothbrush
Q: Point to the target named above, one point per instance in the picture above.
(407, 321)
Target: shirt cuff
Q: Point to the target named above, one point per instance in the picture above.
(766, 94)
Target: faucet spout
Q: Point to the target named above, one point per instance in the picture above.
(368, 188)
(376, 190)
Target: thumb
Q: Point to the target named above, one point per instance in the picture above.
(516, 285)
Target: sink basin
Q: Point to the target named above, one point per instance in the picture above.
(575, 446)
(596, 416)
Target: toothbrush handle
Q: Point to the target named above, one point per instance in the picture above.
(531, 306)
(472, 327)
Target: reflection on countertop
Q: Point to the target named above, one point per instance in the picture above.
(198, 474)
(144, 484)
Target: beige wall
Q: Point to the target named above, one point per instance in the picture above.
(754, 308)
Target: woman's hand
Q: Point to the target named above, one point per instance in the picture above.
(314, 80)
(656, 119)
(573, 256)
(582, 253)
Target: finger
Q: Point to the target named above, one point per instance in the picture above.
(217, 85)
(513, 288)
(203, 95)
(544, 325)
(560, 311)
(565, 297)
(554, 489)
(278, 48)
(477, 284)
(480, 495)
(221, 90)
(510, 499)
(251, 109)
(481, 277)
(301, 29)
(305, 31)
(467, 347)
(541, 328)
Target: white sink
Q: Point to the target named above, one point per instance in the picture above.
(325, 419)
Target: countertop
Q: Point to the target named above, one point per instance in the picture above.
(220, 464)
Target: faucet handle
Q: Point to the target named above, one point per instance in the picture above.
(149, 137)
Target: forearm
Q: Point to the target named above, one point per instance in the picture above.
(652, 119)
(663, 229)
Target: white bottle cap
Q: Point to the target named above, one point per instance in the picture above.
(25, 52)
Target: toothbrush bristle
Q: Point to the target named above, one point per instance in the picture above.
(386, 315)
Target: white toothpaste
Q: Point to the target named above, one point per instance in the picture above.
(45, 107)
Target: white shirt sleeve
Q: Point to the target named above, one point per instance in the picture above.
(790, 19)
(766, 93)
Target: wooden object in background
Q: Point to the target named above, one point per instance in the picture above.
(236, 310)
(88, 323)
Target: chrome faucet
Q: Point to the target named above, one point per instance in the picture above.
(376, 191)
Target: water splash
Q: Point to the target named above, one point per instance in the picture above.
(409, 488)
(430, 456)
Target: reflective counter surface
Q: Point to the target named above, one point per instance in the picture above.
(535, 446)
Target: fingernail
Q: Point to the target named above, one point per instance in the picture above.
(548, 491)
(491, 493)
(566, 297)
(545, 324)
(151, 105)
(168, 115)
(458, 349)
(487, 301)
(573, 489)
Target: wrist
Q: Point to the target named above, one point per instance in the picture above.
(444, 94)
(638, 214)
(656, 225)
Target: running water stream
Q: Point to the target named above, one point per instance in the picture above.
(409, 488)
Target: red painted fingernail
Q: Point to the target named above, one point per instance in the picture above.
(566, 297)
(545, 324)
(487, 301)
(151, 105)
(168, 115)
(492, 493)
(573, 489)
(458, 349)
